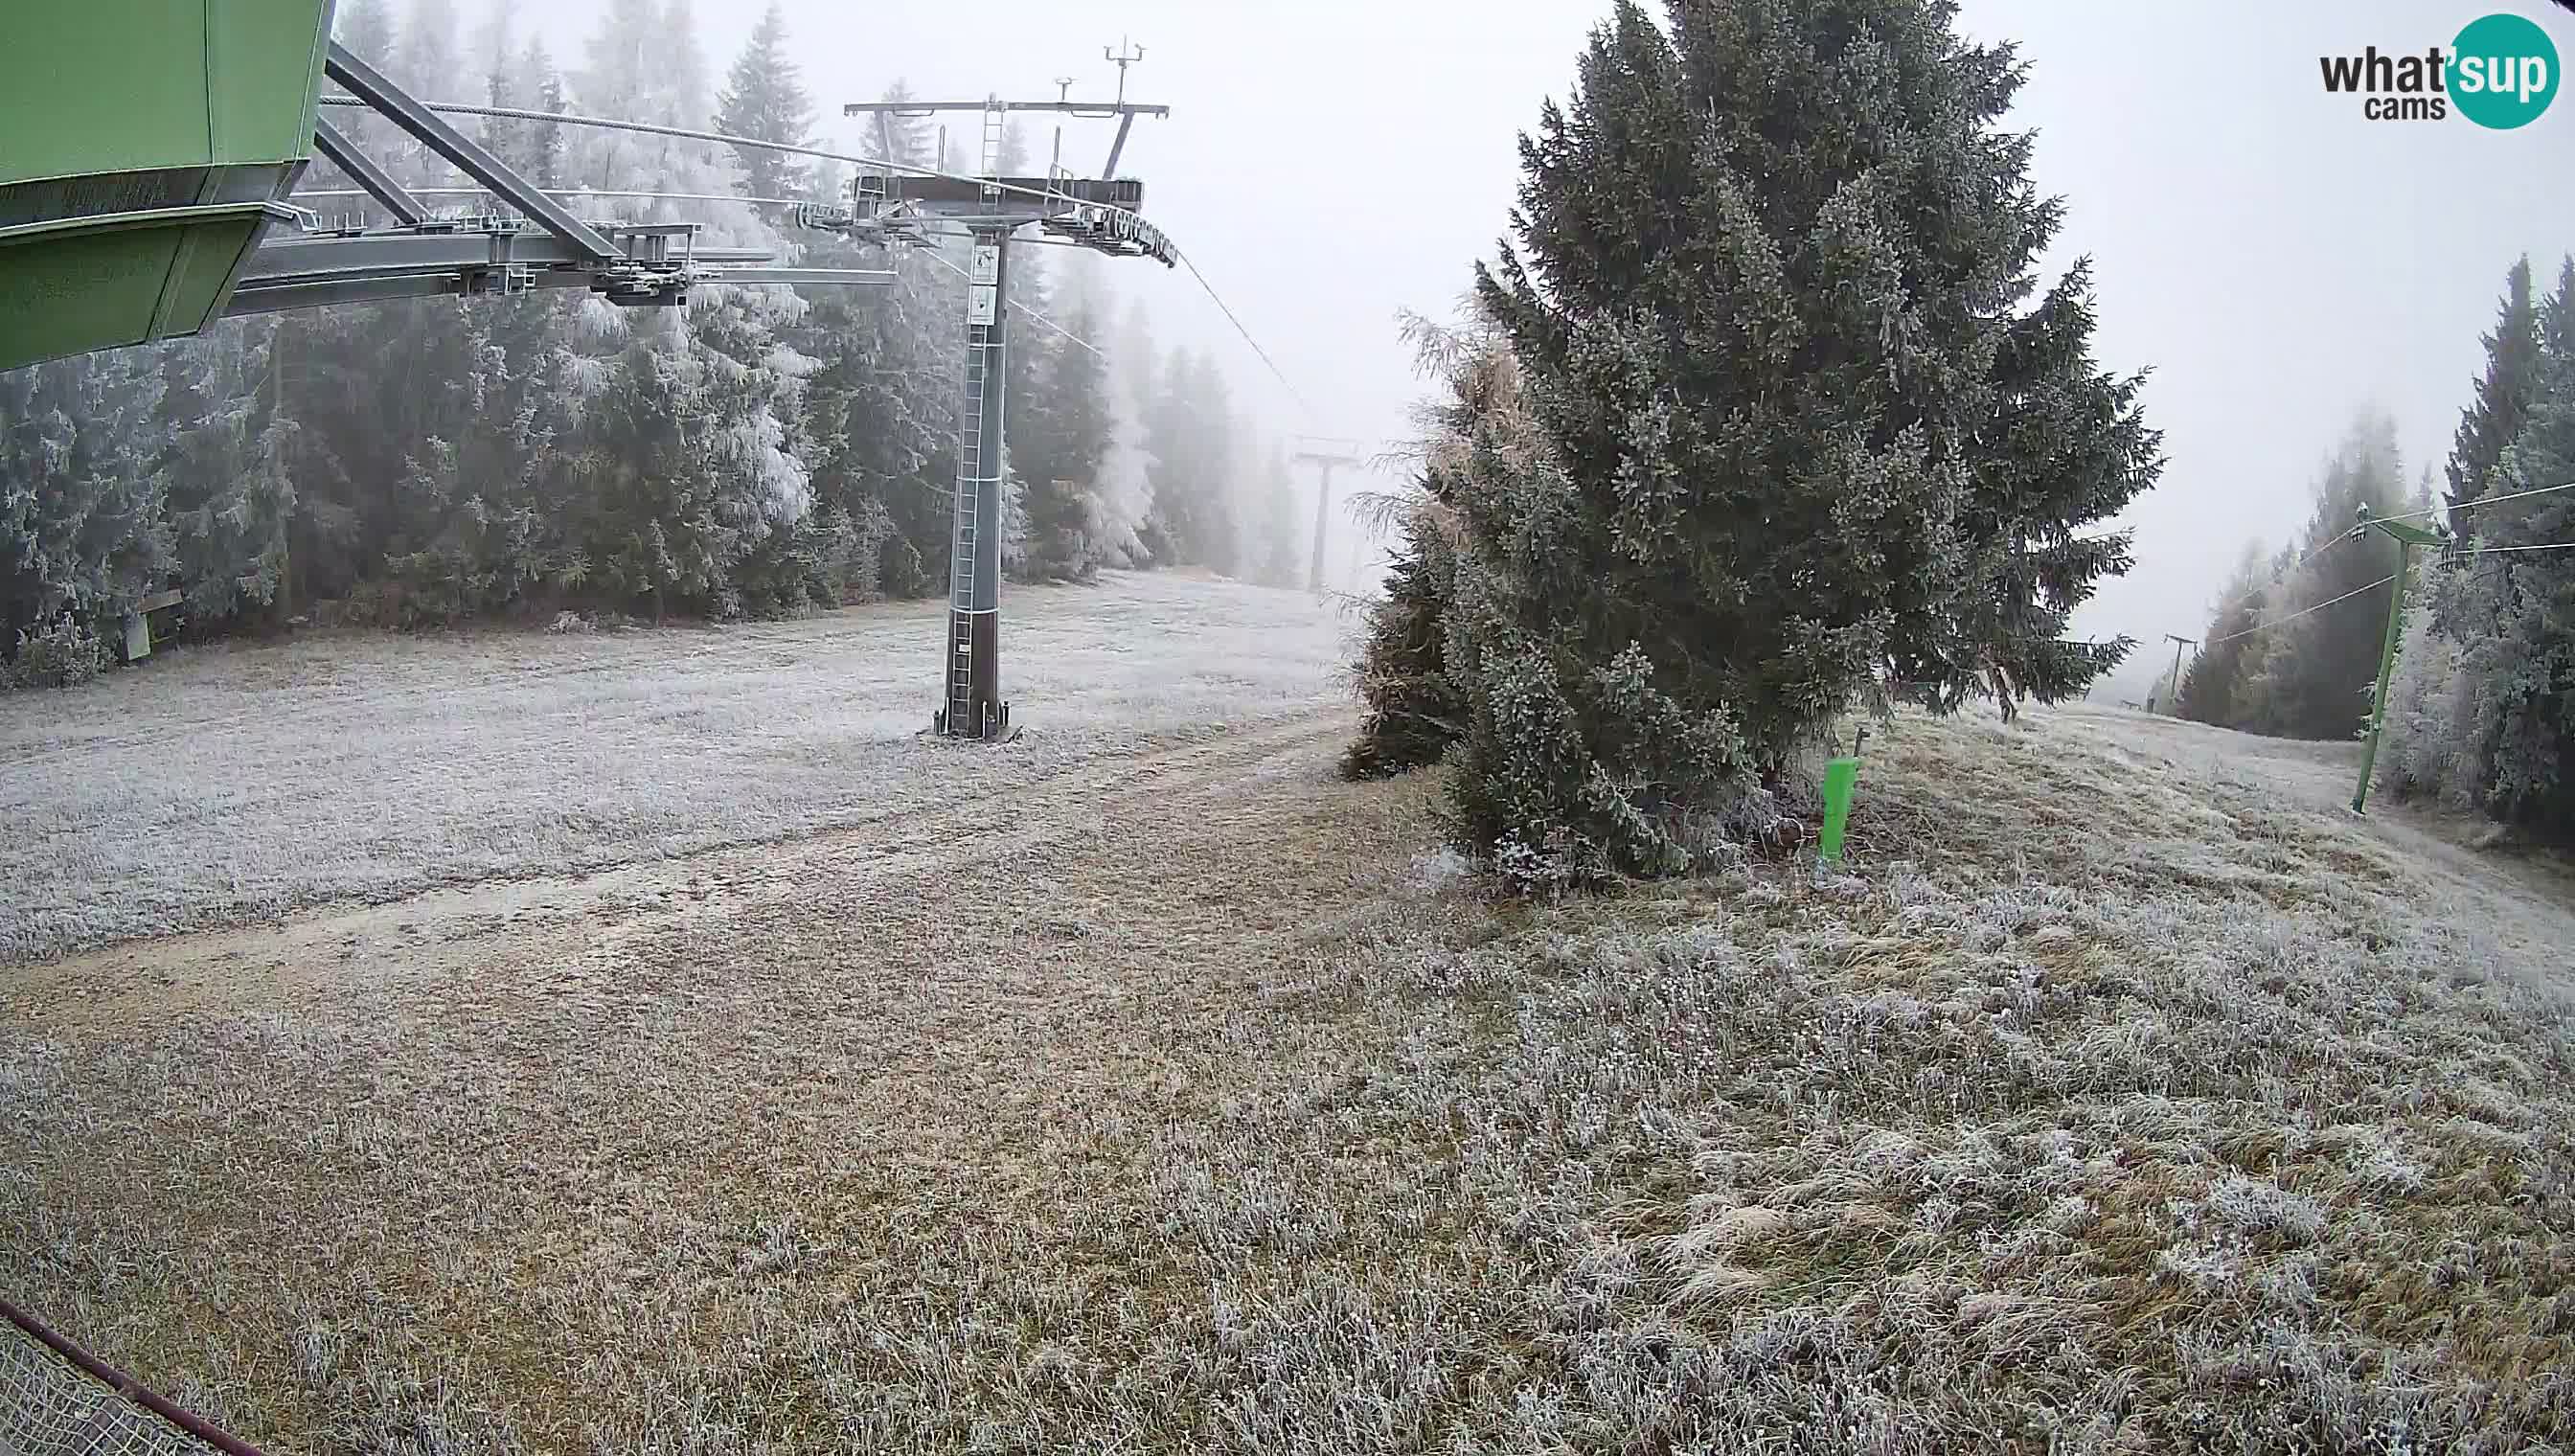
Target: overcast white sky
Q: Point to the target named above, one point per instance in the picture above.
(2276, 259)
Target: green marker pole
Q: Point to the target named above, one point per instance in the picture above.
(2386, 661)
(1839, 775)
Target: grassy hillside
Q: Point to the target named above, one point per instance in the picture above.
(2125, 1095)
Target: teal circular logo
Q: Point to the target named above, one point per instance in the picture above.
(2503, 71)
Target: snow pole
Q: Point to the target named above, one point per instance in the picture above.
(1839, 775)
(2407, 538)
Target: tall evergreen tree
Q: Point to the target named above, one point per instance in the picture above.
(2529, 660)
(224, 465)
(2066, 447)
(879, 408)
(366, 28)
(1027, 365)
(429, 61)
(1418, 705)
(617, 59)
(1277, 551)
(764, 97)
(2214, 682)
(1130, 530)
(1189, 434)
(1012, 156)
(1763, 297)
(680, 93)
(81, 510)
(2502, 400)
(1067, 514)
(545, 140)
(2318, 668)
(498, 59)
(900, 138)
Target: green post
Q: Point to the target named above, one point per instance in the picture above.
(1839, 775)
(2407, 538)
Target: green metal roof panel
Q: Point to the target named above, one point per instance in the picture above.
(141, 144)
(263, 69)
(72, 295)
(109, 86)
(137, 85)
(68, 288)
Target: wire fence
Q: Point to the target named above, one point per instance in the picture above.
(57, 1400)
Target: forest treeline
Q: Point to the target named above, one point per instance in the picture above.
(760, 452)
(2481, 699)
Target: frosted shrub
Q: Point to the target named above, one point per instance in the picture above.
(63, 654)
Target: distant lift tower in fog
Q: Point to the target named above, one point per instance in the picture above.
(1325, 453)
(1098, 213)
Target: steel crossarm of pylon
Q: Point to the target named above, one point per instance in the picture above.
(1095, 212)
(646, 265)
(498, 256)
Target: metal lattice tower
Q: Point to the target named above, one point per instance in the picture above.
(1097, 213)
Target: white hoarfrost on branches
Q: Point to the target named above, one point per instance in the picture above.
(780, 483)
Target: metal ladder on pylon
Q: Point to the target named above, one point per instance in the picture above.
(997, 121)
(974, 470)
(961, 570)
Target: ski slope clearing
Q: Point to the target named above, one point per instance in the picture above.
(237, 784)
(2127, 1095)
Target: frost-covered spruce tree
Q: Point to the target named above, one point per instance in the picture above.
(1131, 531)
(2065, 448)
(2503, 395)
(223, 469)
(1188, 433)
(2211, 687)
(2319, 669)
(2528, 664)
(1415, 706)
(1068, 431)
(1277, 551)
(80, 503)
(764, 97)
(2430, 749)
(1765, 299)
